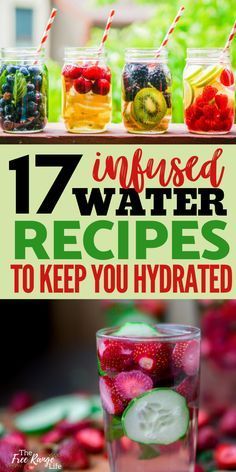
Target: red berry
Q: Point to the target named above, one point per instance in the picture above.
(91, 440)
(228, 423)
(20, 401)
(115, 355)
(52, 437)
(101, 87)
(225, 456)
(126, 444)
(203, 418)
(221, 101)
(209, 93)
(227, 77)
(207, 438)
(111, 401)
(186, 356)
(82, 85)
(94, 73)
(67, 429)
(152, 357)
(210, 111)
(200, 102)
(227, 113)
(72, 456)
(132, 384)
(72, 72)
(17, 438)
(188, 388)
(198, 468)
(226, 126)
(7, 453)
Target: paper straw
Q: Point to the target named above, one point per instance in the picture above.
(170, 30)
(46, 32)
(230, 38)
(106, 31)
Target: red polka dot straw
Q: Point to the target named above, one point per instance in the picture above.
(230, 38)
(170, 30)
(46, 31)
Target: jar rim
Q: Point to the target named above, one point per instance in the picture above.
(168, 332)
(146, 51)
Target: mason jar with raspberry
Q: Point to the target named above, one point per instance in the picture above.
(86, 81)
(209, 91)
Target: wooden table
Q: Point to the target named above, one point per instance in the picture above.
(55, 133)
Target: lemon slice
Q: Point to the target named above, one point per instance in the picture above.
(188, 94)
(207, 76)
(193, 73)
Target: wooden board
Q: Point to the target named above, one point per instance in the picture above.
(55, 133)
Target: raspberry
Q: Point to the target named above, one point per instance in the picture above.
(209, 93)
(101, 87)
(227, 113)
(82, 85)
(227, 125)
(210, 111)
(200, 102)
(221, 101)
(94, 73)
(72, 72)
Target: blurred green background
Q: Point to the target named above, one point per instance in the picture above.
(206, 23)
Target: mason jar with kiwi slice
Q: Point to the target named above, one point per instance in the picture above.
(146, 91)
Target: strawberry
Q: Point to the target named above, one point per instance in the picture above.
(188, 388)
(72, 72)
(225, 456)
(207, 438)
(126, 444)
(132, 384)
(209, 93)
(101, 87)
(115, 355)
(94, 73)
(17, 438)
(203, 418)
(82, 85)
(67, 429)
(227, 77)
(8, 452)
(111, 401)
(152, 357)
(221, 101)
(228, 423)
(91, 440)
(52, 437)
(186, 356)
(72, 456)
(198, 468)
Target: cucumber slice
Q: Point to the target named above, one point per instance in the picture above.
(160, 416)
(188, 94)
(207, 76)
(193, 73)
(142, 330)
(44, 415)
(2, 430)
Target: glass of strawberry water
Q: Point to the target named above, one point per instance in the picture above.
(86, 84)
(149, 387)
(209, 91)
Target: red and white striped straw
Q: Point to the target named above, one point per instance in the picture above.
(46, 31)
(170, 30)
(106, 31)
(230, 38)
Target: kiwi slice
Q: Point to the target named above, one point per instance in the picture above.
(149, 107)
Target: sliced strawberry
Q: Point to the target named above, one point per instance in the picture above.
(82, 85)
(72, 456)
(207, 438)
(91, 440)
(225, 456)
(94, 72)
(186, 356)
(72, 72)
(188, 388)
(111, 401)
(132, 384)
(227, 77)
(17, 438)
(68, 429)
(228, 423)
(209, 93)
(221, 101)
(203, 418)
(101, 87)
(126, 444)
(115, 355)
(7, 452)
(152, 357)
(52, 437)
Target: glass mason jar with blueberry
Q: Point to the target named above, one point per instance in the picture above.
(86, 82)
(23, 91)
(146, 91)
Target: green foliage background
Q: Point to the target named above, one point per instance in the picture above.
(206, 23)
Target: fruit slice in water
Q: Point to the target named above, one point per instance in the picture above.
(188, 94)
(160, 416)
(46, 414)
(1, 430)
(207, 76)
(192, 73)
(141, 330)
(149, 107)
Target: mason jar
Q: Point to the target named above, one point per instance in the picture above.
(146, 91)
(23, 91)
(86, 82)
(209, 91)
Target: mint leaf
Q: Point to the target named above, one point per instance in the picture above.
(115, 430)
(3, 79)
(148, 452)
(20, 87)
(100, 371)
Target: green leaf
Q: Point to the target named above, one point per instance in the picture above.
(2, 79)
(100, 371)
(115, 430)
(148, 452)
(20, 87)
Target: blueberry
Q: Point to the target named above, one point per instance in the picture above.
(34, 70)
(32, 107)
(38, 96)
(10, 80)
(9, 109)
(24, 71)
(2, 102)
(6, 88)
(31, 95)
(30, 87)
(12, 69)
(37, 81)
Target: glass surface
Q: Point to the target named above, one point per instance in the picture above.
(133, 369)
